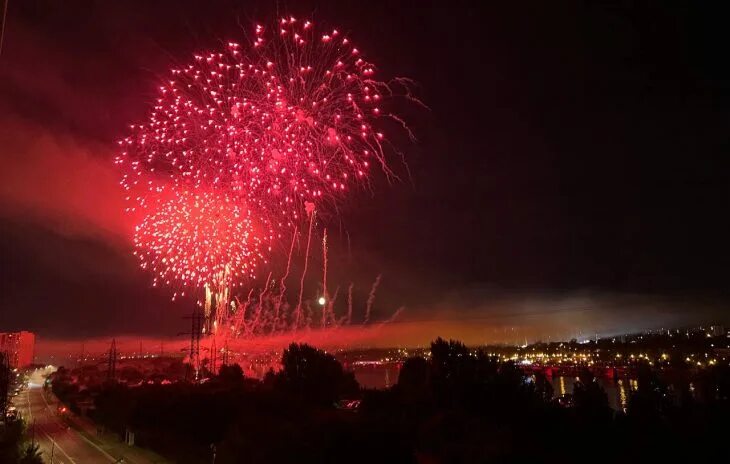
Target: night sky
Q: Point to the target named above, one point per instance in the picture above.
(569, 151)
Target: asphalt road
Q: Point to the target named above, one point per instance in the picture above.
(58, 442)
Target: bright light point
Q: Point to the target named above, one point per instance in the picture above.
(321, 300)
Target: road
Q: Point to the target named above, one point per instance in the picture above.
(60, 443)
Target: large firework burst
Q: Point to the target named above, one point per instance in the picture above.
(272, 127)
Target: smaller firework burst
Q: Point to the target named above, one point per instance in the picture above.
(197, 239)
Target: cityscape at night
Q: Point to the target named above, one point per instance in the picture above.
(353, 232)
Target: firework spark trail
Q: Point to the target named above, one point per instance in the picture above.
(308, 314)
(282, 284)
(349, 249)
(371, 298)
(260, 307)
(349, 303)
(394, 316)
(324, 279)
(222, 300)
(312, 212)
(331, 308)
(241, 316)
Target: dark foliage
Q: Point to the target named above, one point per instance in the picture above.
(31, 455)
(313, 375)
(458, 406)
(15, 445)
(11, 436)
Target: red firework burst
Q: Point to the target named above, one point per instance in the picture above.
(290, 120)
(293, 118)
(198, 239)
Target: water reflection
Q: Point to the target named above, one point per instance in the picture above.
(377, 376)
(618, 392)
(623, 396)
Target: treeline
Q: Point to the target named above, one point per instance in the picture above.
(14, 444)
(454, 407)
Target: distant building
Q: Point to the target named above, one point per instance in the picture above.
(20, 347)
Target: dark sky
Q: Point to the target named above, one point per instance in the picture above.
(579, 147)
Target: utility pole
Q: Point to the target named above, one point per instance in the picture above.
(112, 361)
(213, 354)
(225, 353)
(196, 326)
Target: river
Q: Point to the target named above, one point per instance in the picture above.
(385, 375)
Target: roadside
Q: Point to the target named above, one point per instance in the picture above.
(107, 443)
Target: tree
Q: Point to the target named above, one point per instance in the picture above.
(11, 445)
(451, 370)
(646, 403)
(314, 375)
(414, 379)
(543, 388)
(591, 401)
(11, 435)
(131, 375)
(4, 382)
(231, 374)
(31, 454)
(450, 360)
